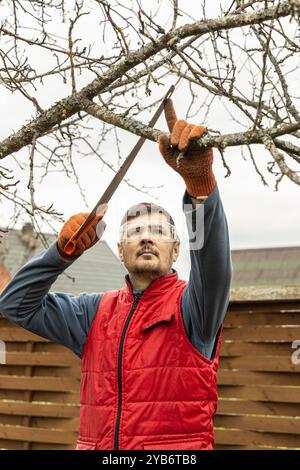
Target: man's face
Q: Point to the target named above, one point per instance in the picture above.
(147, 246)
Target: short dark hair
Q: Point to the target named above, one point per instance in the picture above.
(145, 207)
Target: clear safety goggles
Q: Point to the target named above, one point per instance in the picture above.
(132, 231)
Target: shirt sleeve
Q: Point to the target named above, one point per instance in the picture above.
(206, 296)
(60, 317)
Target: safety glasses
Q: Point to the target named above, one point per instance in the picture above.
(133, 231)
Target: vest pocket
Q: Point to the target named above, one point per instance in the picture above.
(85, 445)
(177, 444)
(157, 320)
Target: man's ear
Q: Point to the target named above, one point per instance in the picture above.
(176, 248)
(120, 251)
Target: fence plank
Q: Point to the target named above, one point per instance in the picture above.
(53, 384)
(59, 397)
(240, 348)
(260, 423)
(271, 306)
(23, 433)
(254, 438)
(271, 393)
(260, 363)
(244, 377)
(238, 406)
(263, 333)
(18, 334)
(55, 410)
(64, 359)
(261, 318)
(6, 444)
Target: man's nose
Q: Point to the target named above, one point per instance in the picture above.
(147, 238)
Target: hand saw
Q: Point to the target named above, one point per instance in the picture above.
(70, 246)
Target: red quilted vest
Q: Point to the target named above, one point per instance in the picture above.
(143, 384)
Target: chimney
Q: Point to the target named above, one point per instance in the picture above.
(28, 236)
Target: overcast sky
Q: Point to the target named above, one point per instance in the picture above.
(257, 216)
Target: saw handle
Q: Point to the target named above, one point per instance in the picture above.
(71, 244)
(92, 220)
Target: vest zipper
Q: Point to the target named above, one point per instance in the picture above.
(120, 356)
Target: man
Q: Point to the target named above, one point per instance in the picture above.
(150, 350)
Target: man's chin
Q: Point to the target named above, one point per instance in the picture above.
(147, 266)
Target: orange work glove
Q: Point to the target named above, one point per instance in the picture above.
(88, 239)
(195, 166)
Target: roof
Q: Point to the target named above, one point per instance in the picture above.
(97, 270)
(258, 273)
(278, 266)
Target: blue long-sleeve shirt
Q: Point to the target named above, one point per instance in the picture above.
(66, 319)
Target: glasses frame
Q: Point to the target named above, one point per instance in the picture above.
(171, 229)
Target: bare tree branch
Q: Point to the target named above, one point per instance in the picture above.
(244, 57)
(72, 104)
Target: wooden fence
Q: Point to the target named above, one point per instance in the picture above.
(259, 383)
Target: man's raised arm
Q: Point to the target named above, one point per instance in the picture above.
(205, 298)
(60, 317)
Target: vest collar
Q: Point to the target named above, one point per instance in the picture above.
(156, 287)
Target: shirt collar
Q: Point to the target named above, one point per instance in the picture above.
(155, 285)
